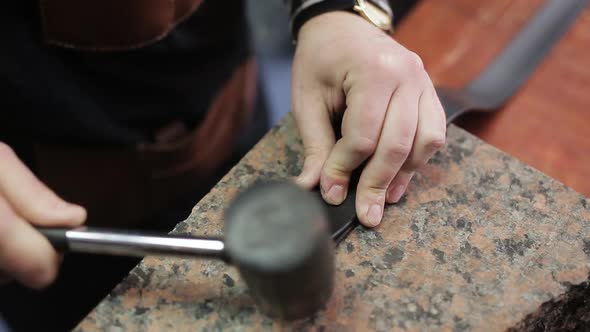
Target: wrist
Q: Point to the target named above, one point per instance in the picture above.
(377, 12)
(324, 28)
(304, 10)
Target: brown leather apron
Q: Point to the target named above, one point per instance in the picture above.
(107, 25)
(120, 187)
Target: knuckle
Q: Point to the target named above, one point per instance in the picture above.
(335, 171)
(394, 64)
(397, 152)
(413, 62)
(435, 142)
(375, 190)
(386, 63)
(362, 146)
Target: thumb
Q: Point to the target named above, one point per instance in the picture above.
(25, 254)
(313, 122)
(24, 201)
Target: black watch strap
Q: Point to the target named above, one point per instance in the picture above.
(303, 10)
(378, 12)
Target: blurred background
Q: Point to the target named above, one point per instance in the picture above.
(270, 25)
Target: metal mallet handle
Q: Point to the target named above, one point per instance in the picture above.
(134, 244)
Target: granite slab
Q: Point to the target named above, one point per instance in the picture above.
(480, 242)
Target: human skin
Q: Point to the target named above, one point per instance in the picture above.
(392, 118)
(25, 202)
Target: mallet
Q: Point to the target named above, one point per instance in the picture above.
(276, 234)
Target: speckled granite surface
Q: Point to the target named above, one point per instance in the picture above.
(480, 242)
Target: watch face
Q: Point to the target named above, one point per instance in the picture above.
(374, 14)
(384, 5)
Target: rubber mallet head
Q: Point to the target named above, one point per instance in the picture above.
(278, 237)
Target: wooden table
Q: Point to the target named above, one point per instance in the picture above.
(481, 242)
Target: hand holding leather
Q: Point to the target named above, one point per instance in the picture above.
(392, 119)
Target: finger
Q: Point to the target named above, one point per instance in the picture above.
(361, 127)
(24, 253)
(30, 198)
(398, 186)
(313, 122)
(430, 137)
(431, 132)
(392, 151)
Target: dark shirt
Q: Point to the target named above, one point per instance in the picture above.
(54, 94)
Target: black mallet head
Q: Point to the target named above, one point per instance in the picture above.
(278, 236)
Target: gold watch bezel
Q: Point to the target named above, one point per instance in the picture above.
(374, 14)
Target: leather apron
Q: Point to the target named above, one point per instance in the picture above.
(123, 186)
(111, 24)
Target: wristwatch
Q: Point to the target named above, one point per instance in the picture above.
(378, 12)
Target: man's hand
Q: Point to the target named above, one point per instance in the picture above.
(392, 118)
(25, 254)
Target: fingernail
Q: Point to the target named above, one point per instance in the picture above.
(304, 180)
(396, 194)
(374, 215)
(336, 194)
(301, 176)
